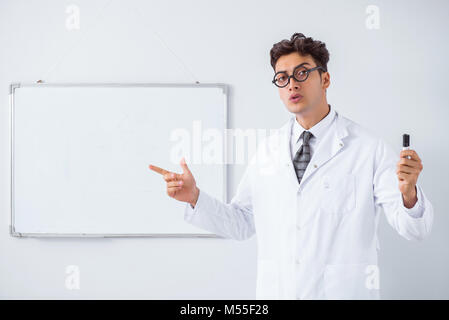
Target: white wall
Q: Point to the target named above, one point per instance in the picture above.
(391, 79)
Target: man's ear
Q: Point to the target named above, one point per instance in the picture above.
(326, 80)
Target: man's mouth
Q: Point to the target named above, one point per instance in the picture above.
(295, 97)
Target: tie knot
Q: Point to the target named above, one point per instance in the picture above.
(306, 135)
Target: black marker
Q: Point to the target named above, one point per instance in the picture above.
(406, 143)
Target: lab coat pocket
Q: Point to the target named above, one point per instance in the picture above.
(338, 193)
(351, 281)
(267, 279)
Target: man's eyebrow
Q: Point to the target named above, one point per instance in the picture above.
(299, 65)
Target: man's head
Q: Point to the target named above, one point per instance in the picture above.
(300, 54)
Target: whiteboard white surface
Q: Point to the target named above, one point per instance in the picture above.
(80, 156)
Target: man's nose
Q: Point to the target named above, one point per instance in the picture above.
(293, 84)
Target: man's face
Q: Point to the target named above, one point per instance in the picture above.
(312, 90)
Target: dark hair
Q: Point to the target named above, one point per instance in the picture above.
(304, 46)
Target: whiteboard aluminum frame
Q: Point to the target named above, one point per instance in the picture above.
(15, 86)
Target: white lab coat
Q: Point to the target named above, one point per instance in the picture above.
(332, 215)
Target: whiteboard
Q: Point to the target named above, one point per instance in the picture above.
(80, 155)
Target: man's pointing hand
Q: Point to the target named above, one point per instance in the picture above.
(182, 186)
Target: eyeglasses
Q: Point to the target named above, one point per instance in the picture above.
(300, 74)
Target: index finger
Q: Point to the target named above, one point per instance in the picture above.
(411, 153)
(158, 170)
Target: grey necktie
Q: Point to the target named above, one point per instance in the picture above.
(302, 157)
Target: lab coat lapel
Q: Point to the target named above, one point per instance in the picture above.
(287, 168)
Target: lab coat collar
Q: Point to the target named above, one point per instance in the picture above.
(331, 143)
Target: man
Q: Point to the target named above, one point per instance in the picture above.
(312, 191)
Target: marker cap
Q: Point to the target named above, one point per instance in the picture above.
(405, 140)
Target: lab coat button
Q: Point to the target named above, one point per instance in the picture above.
(314, 165)
(298, 227)
(297, 261)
